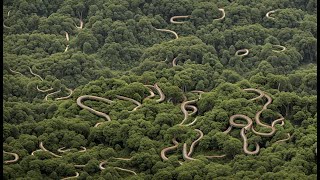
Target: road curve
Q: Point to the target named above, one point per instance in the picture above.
(35, 74)
(150, 91)
(199, 92)
(162, 96)
(241, 116)
(184, 153)
(193, 108)
(65, 97)
(6, 26)
(170, 31)
(44, 149)
(195, 120)
(184, 111)
(278, 120)
(257, 119)
(3, 20)
(77, 175)
(261, 93)
(16, 72)
(223, 14)
(16, 157)
(67, 47)
(32, 154)
(227, 130)
(283, 140)
(246, 52)
(81, 22)
(269, 134)
(63, 151)
(96, 98)
(129, 99)
(279, 46)
(67, 150)
(84, 149)
(195, 142)
(172, 19)
(50, 94)
(67, 36)
(165, 150)
(174, 61)
(122, 169)
(244, 128)
(270, 12)
(245, 144)
(43, 91)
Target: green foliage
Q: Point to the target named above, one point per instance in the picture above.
(118, 51)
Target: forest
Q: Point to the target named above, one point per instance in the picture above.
(159, 89)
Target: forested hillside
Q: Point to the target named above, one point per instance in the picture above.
(159, 89)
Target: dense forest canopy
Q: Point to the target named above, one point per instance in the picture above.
(159, 89)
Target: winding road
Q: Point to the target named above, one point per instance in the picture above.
(96, 98)
(249, 125)
(245, 143)
(40, 90)
(283, 140)
(16, 157)
(81, 22)
(257, 116)
(66, 97)
(195, 142)
(50, 94)
(184, 153)
(67, 47)
(257, 119)
(67, 150)
(44, 149)
(170, 31)
(77, 175)
(193, 108)
(194, 121)
(16, 72)
(245, 51)
(44, 91)
(32, 154)
(67, 36)
(270, 12)
(165, 150)
(35, 74)
(198, 92)
(132, 100)
(184, 111)
(261, 93)
(172, 19)
(279, 46)
(162, 96)
(150, 91)
(244, 128)
(118, 168)
(223, 14)
(174, 61)
(3, 21)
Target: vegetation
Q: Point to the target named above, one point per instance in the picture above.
(106, 89)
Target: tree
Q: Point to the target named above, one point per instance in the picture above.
(232, 147)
